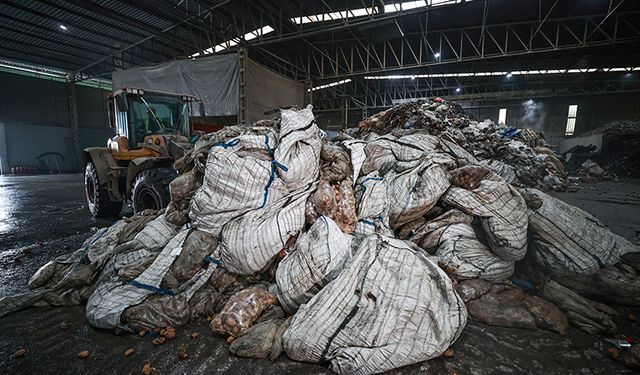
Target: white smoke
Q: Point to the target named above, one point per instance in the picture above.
(533, 115)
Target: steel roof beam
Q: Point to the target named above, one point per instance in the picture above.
(455, 46)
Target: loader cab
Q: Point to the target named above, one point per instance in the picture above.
(136, 115)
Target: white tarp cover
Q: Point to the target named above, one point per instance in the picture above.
(267, 90)
(390, 307)
(214, 80)
(567, 240)
(319, 255)
(502, 212)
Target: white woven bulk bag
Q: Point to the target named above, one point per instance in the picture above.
(249, 242)
(319, 255)
(454, 242)
(502, 212)
(388, 149)
(112, 297)
(240, 176)
(298, 148)
(372, 205)
(413, 188)
(390, 307)
(567, 240)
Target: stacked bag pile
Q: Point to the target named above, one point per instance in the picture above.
(367, 253)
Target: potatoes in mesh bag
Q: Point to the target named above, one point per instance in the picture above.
(335, 200)
(345, 215)
(242, 310)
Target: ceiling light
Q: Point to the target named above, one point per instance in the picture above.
(458, 89)
(436, 55)
(413, 77)
(62, 27)
(509, 75)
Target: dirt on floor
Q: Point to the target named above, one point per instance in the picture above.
(45, 216)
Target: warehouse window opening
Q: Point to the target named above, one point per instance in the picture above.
(571, 119)
(235, 41)
(369, 11)
(330, 84)
(502, 116)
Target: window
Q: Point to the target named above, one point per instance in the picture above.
(571, 119)
(502, 116)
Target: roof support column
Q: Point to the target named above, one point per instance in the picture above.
(4, 161)
(73, 120)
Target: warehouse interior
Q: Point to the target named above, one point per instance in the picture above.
(303, 186)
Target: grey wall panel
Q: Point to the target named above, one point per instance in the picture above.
(35, 114)
(33, 101)
(26, 142)
(92, 107)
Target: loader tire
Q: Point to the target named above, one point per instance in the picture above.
(98, 201)
(151, 189)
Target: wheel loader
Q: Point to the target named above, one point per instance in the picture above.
(152, 131)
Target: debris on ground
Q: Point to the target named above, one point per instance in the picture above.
(591, 170)
(147, 369)
(367, 253)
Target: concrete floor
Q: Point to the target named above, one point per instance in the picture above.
(45, 216)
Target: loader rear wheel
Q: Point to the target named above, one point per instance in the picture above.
(151, 189)
(98, 201)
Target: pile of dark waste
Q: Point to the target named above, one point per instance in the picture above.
(620, 154)
(520, 156)
(366, 253)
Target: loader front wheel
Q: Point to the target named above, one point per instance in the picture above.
(98, 201)
(151, 189)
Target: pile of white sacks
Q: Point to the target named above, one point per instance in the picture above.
(364, 242)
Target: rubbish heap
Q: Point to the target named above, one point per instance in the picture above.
(520, 156)
(368, 252)
(621, 149)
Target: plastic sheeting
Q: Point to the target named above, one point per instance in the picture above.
(267, 90)
(391, 307)
(214, 80)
